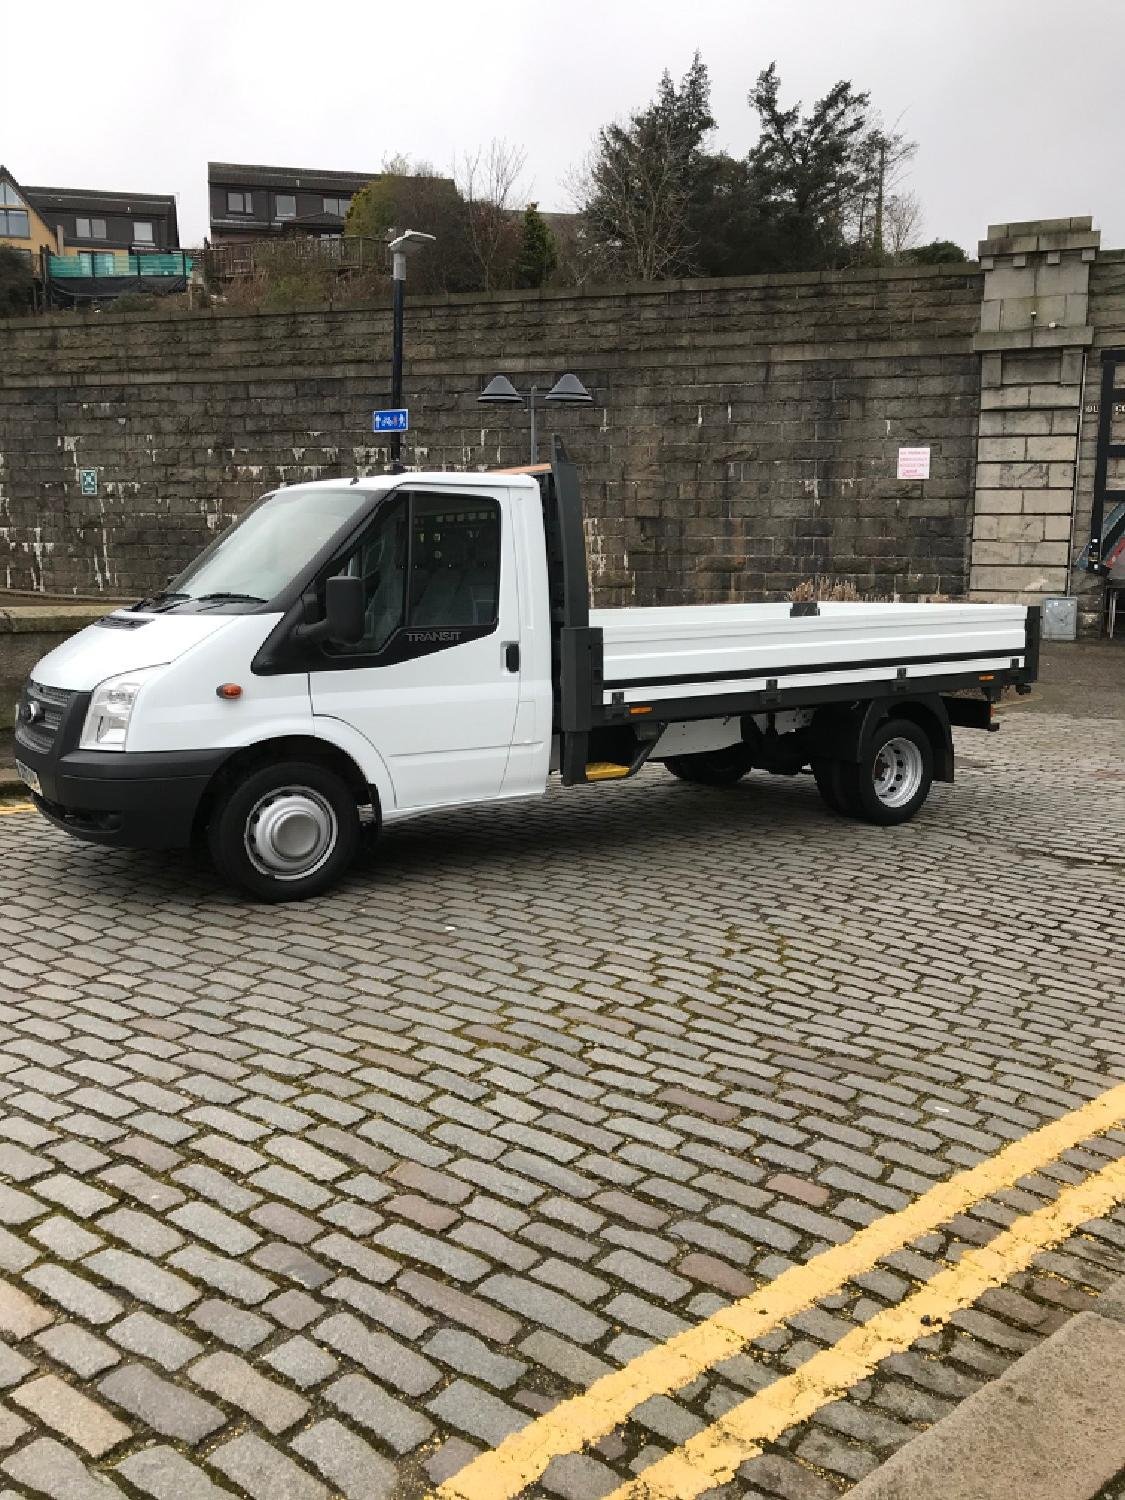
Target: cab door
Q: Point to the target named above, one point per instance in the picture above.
(434, 683)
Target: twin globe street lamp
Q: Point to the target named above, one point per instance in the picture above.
(568, 390)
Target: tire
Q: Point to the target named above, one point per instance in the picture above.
(827, 774)
(286, 831)
(893, 776)
(723, 767)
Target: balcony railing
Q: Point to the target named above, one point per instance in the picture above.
(99, 263)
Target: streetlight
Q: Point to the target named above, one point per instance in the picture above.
(401, 245)
(568, 390)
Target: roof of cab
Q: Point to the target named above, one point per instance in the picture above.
(456, 478)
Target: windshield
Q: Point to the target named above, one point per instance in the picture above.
(263, 552)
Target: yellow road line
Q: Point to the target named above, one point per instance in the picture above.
(522, 1457)
(7, 809)
(713, 1456)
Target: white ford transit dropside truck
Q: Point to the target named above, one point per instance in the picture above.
(354, 653)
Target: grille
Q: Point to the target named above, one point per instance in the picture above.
(51, 704)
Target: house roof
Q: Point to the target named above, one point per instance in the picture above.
(48, 200)
(97, 201)
(241, 174)
(25, 193)
(26, 199)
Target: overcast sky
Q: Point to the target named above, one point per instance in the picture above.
(1015, 104)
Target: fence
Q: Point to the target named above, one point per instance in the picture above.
(343, 253)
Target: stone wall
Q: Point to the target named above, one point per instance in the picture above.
(744, 437)
(1035, 332)
(26, 634)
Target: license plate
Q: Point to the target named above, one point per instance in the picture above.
(29, 778)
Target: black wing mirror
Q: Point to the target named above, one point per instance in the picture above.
(344, 613)
(345, 609)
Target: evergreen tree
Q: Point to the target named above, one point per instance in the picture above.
(538, 257)
(17, 282)
(936, 253)
(644, 178)
(806, 174)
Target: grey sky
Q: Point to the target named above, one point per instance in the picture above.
(1012, 101)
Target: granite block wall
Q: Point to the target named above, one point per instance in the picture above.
(744, 435)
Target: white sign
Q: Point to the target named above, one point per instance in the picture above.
(914, 463)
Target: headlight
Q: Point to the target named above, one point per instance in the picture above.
(111, 707)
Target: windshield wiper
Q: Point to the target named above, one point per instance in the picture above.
(223, 597)
(162, 596)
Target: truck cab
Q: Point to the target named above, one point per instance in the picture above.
(391, 635)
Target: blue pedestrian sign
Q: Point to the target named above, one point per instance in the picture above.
(88, 481)
(395, 420)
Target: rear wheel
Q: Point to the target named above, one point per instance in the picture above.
(286, 831)
(712, 767)
(893, 776)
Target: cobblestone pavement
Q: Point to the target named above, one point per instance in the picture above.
(321, 1200)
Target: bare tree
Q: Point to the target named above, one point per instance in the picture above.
(902, 221)
(489, 181)
(886, 153)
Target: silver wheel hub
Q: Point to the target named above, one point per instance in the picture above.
(897, 772)
(290, 832)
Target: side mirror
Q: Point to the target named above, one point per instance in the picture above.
(345, 609)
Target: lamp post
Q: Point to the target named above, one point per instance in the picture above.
(401, 245)
(568, 390)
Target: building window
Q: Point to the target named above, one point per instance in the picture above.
(14, 223)
(142, 232)
(89, 229)
(240, 203)
(285, 206)
(337, 206)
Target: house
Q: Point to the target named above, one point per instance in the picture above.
(255, 202)
(22, 227)
(84, 219)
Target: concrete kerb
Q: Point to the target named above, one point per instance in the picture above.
(12, 788)
(1052, 1427)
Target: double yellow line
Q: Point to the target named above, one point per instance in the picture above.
(713, 1456)
(8, 808)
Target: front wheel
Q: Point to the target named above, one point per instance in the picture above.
(893, 776)
(712, 767)
(286, 831)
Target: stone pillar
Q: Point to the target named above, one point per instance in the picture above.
(1033, 337)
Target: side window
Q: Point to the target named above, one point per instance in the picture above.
(381, 561)
(431, 573)
(454, 563)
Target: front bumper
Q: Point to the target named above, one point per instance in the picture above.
(118, 798)
(131, 800)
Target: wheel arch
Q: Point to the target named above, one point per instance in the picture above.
(929, 713)
(839, 732)
(285, 747)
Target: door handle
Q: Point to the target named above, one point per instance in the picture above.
(512, 655)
